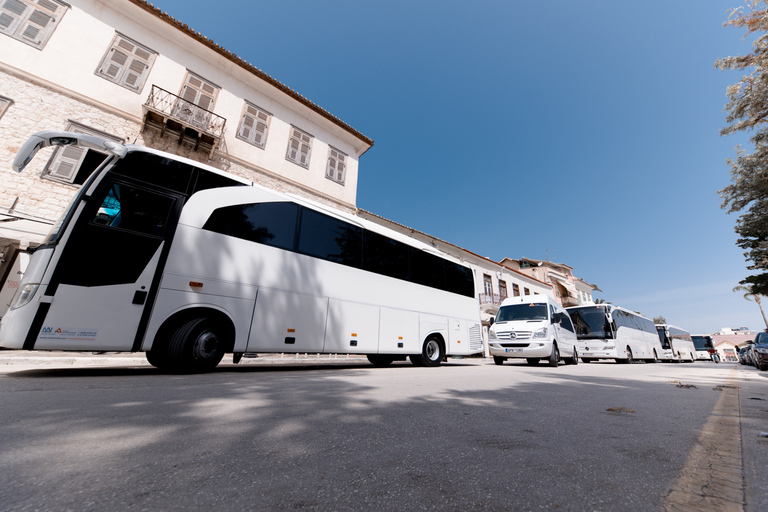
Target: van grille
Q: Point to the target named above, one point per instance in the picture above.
(519, 335)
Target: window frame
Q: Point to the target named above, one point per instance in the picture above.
(340, 159)
(299, 140)
(249, 138)
(125, 70)
(5, 104)
(20, 23)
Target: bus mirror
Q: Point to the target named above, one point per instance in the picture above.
(44, 139)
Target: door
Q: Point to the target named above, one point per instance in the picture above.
(104, 278)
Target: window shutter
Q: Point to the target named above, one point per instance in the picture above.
(66, 162)
(11, 12)
(114, 63)
(246, 126)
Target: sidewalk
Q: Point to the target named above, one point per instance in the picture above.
(58, 358)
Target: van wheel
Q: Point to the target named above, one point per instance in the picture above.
(432, 353)
(498, 360)
(586, 360)
(380, 360)
(533, 361)
(554, 358)
(573, 360)
(196, 346)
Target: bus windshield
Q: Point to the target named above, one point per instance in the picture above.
(529, 312)
(591, 323)
(702, 342)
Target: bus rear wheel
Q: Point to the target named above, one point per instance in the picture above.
(432, 353)
(196, 346)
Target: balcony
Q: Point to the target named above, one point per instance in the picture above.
(174, 116)
(490, 299)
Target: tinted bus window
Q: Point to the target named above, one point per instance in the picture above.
(385, 256)
(330, 239)
(272, 224)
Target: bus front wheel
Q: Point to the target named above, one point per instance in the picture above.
(380, 360)
(196, 346)
(432, 353)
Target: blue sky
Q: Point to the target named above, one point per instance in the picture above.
(586, 132)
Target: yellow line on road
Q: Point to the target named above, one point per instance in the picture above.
(712, 479)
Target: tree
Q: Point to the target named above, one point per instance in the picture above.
(749, 289)
(601, 301)
(747, 110)
(659, 320)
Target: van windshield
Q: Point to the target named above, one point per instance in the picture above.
(591, 323)
(522, 312)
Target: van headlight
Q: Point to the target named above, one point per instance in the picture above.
(541, 333)
(24, 295)
(492, 336)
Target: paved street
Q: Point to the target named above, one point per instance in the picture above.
(338, 434)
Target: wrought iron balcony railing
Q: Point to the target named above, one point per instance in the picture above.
(172, 106)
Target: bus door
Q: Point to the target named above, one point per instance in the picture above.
(103, 287)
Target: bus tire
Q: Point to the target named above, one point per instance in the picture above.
(197, 345)
(655, 357)
(158, 357)
(533, 361)
(586, 360)
(554, 358)
(380, 360)
(630, 360)
(498, 360)
(432, 353)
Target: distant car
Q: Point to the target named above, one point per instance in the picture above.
(760, 351)
(742, 353)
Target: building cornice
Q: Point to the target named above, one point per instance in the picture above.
(231, 56)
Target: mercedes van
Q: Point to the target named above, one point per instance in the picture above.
(534, 328)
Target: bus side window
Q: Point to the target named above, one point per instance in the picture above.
(134, 209)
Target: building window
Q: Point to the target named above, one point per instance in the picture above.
(515, 290)
(337, 165)
(127, 63)
(254, 125)
(196, 101)
(526, 291)
(31, 21)
(72, 164)
(4, 104)
(299, 147)
(502, 289)
(487, 285)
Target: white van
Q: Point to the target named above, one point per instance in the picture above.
(533, 327)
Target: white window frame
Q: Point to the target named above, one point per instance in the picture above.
(5, 103)
(31, 21)
(254, 125)
(336, 168)
(299, 147)
(127, 63)
(198, 92)
(65, 161)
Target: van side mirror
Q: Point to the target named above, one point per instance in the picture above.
(493, 320)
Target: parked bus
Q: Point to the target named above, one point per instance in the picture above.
(705, 346)
(677, 343)
(161, 254)
(605, 331)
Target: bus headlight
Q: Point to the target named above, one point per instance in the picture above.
(541, 333)
(24, 295)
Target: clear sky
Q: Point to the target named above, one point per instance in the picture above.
(583, 132)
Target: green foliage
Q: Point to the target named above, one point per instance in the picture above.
(659, 320)
(748, 111)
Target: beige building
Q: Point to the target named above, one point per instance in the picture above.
(126, 71)
(567, 289)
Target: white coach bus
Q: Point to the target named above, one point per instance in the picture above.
(160, 254)
(677, 343)
(605, 331)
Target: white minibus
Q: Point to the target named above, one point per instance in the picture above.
(606, 331)
(677, 343)
(533, 327)
(161, 254)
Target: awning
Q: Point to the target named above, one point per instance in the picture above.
(24, 229)
(565, 283)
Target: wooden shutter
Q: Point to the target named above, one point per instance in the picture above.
(254, 125)
(66, 162)
(299, 147)
(127, 63)
(336, 166)
(11, 13)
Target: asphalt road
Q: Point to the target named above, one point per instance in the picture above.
(341, 435)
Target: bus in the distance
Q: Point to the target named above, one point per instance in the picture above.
(677, 343)
(161, 254)
(705, 346)
(605, 331)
